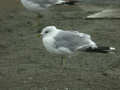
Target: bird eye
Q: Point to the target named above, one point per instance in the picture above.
(46, 32)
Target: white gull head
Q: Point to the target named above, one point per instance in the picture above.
(48, 31)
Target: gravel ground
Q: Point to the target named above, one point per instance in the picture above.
(26, 65)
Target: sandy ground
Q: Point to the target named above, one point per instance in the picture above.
(26, 65)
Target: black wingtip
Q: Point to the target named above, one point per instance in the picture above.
(72, 2)
(101, 49)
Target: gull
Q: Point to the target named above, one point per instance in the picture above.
(65, 43)
(41, 6)
(37, 5)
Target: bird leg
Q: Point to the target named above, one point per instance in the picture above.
(39, 15)
(37, 20)
(63, 61)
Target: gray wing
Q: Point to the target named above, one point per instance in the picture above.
(44, 3)
(72, 40)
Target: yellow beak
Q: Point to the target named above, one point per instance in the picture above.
(38, 35)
